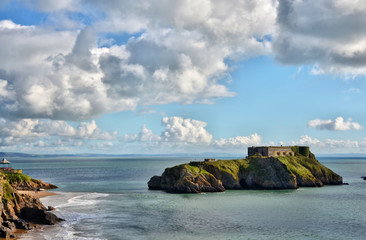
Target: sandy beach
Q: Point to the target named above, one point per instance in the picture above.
(38, 194)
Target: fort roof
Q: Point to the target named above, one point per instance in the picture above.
(270, 146)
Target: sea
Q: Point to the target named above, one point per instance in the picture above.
(108, 198)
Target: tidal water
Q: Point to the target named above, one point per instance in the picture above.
(107, 198)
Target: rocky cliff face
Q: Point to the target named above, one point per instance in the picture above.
(187, 179)
(287, 172)
(18, 210)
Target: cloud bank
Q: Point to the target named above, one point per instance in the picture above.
(178, 135)
(26, 133)
(330, 35)
(332, 145)
(181, 132)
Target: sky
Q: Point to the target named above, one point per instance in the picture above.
(184, 76)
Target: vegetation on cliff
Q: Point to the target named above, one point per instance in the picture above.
(18, 210)
(21, 181)
(255, 172)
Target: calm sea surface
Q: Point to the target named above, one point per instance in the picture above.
(107, 198)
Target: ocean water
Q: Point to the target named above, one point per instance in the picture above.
(109, 199)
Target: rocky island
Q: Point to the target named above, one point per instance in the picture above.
(264, 168)
(21, 211)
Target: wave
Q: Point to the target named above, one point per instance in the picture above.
(83, 199)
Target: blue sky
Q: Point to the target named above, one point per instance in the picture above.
(181, 77)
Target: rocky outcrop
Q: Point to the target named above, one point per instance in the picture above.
(50, 208)
(286, 172)
(186, 179)
(267, 173)
(33, 185)
(21, 181)
(19, 210)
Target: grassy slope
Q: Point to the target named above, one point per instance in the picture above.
(8, 191)
(195, 170)
(235, 166)
(303, 167)
(231, 167)
(296, 165)
(10, 178)
(17, 177)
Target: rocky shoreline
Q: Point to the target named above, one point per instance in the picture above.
(255, 172)
(22, 211)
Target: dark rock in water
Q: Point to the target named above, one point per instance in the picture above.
(5, 232)
(21, 224)
(50, 208)
(363, 177)
(154, 182)
(40, 216)
(345, 183)
(9, 225)
(285, 172)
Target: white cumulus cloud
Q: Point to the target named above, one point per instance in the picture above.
(239, 141)
(305, 140)
(338, 124)
(186, 130)
(145, 135)
(177, 53)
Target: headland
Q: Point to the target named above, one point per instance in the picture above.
(20, 206)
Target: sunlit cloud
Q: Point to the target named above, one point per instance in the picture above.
(338, 124)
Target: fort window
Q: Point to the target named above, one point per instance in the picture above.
(284, 153)
(278, 153)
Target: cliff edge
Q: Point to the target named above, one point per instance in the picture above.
(19, 210)
(255, 172)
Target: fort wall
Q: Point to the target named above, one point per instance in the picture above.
(271, 151)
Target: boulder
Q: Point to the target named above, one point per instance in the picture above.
(40, 216)
(21, 224)
(50, 208)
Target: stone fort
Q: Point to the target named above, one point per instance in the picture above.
(275, 151)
